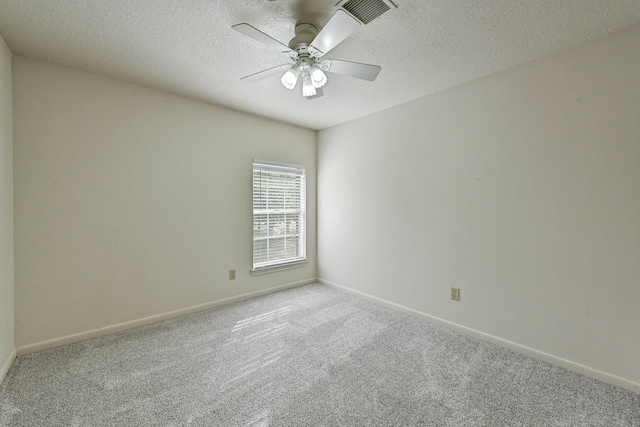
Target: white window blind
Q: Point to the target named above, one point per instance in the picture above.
(279, 205)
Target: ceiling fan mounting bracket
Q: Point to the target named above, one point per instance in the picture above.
(304, 62)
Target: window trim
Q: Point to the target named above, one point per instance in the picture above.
(278, 267)
(294, 262)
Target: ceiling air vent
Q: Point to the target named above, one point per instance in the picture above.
(366, 10)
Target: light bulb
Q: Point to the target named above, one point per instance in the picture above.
(290, 78)
(307, 86)
(317, 76)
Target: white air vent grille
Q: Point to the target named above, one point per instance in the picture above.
(366, 10)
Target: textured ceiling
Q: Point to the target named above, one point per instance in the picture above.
(188, 48)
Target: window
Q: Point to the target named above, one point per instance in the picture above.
(279, 206)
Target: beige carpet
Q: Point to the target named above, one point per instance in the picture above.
(310, 356)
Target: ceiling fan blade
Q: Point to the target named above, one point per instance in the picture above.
(340, 26)
(256, 34)
(319, 93)
(353, 69)
(252, 78)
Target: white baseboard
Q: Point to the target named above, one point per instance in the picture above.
(56, 342)
(6, 365)
(545, 357)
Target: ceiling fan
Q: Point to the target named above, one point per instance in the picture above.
(307, 49)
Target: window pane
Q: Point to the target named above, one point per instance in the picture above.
(292, 246)
(260, 225)
(276, 249)
(260, 253)
(276, 225)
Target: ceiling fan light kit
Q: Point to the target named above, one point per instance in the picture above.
(307, 48)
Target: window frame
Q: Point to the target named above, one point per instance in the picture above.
(298, 172)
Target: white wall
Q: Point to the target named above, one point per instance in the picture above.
(7, 347)
(521, 188)
(132, 203)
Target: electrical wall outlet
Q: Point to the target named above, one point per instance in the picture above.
(455, 294)
(232, 275)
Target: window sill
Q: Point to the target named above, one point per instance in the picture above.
(279, 267)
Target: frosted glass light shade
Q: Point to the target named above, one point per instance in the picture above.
(307, 86)
(318, 78)
(290, 78)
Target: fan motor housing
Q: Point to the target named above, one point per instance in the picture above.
(305, 33)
